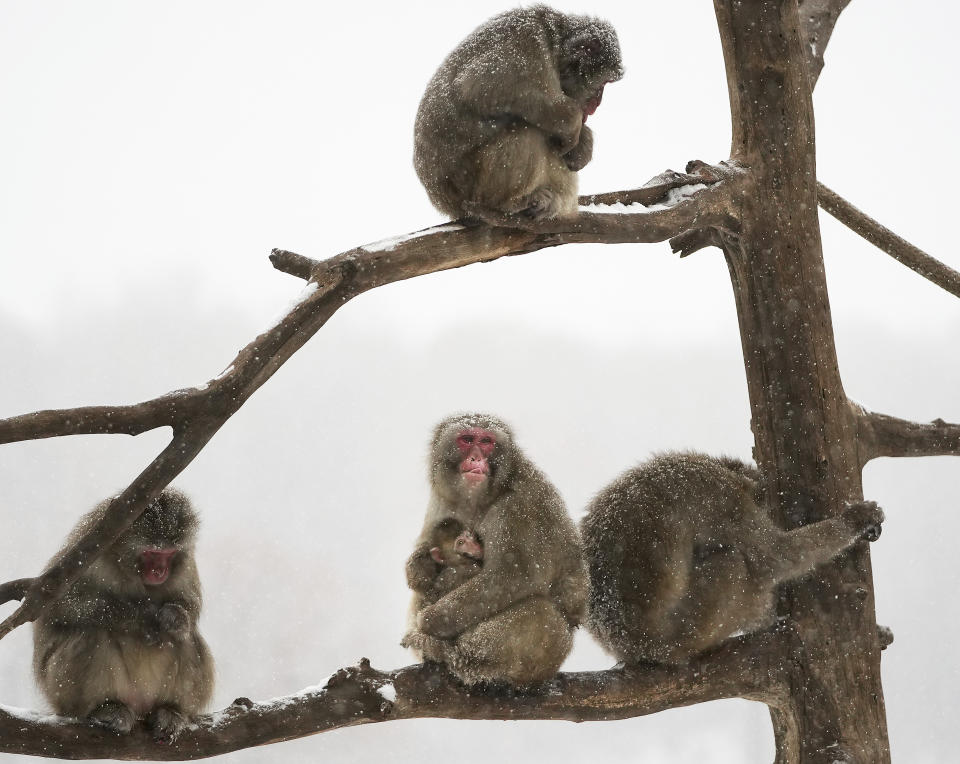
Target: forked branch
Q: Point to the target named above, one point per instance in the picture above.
(197, 413)
(755, 667)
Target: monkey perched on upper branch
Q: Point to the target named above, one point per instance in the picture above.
(512, 621)
(122, 643)
(682, 556)
(500, 129)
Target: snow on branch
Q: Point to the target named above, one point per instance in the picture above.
(756, 666)
(197, 413)
(914, 258)
(882, 435)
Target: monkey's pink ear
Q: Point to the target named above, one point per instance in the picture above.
(437, 555)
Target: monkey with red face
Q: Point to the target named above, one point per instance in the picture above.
(122, 644)
(512, 621)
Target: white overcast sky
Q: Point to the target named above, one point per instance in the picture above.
(151, 155)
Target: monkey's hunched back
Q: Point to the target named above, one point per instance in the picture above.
(123, 644)
(682, 556)
(500, 128)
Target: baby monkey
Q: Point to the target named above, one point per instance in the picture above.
(456, 556)
(122, 644)
(501, 127)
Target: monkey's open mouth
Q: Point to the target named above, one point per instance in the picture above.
(155, 565)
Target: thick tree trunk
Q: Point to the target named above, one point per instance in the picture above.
(805, 438)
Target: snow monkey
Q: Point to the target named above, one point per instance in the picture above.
(512, 621)
(500, 129)
(682, 556)
(122, 643)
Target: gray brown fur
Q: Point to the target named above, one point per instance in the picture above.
(114, 649)
(500, 128)
(682, 556)
(430, 579)
(512, 622)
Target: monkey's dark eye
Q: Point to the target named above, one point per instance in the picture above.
(466, 438)
(486, 441)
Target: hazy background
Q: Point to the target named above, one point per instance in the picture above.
(152, 154)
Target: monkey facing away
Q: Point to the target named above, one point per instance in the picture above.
(122, 644)
(512, 620)
(682, 556)
(500, 129)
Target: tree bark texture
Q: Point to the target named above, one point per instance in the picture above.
(805, 439)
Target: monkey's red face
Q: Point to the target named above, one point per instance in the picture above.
(476, 445)
(155, 565)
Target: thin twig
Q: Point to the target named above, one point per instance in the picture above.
(914, 258)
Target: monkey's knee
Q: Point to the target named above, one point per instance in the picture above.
(114, 716)
(520, 173)
(522, 646)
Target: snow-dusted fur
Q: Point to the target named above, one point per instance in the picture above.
(116, 649)
(682, 556)
(500, 128)
(513, 620)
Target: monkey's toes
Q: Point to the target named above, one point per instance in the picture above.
(542, 204)
(866, 518)
(872, 533)
(166, 724)
(113, 716)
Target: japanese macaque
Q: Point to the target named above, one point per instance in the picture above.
(456, 555)
(122, 644)
(512, 621)
(501, 127)
(682, 556)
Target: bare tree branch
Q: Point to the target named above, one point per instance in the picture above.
(756, 667)
(655, 190)
(914, 258)
(817, 19)
(198, 413)
(166, 411)
(15, 590)
(882, 435)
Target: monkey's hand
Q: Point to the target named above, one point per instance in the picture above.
(565, 125)
(429, 648)
(436, 620)
(578, 157)
(173, 620)
(865, 518)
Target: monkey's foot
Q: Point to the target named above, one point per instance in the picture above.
(542, 204)
(114, 716)
(165, 724)
(429, 647)
(865, 517)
